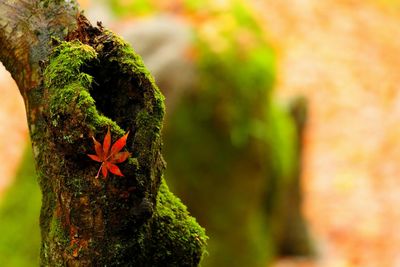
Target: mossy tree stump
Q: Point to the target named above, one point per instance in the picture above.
(241, 149)
(75, 89)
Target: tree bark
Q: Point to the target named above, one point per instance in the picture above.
(76, 89)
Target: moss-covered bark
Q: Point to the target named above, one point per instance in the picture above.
(89, 83)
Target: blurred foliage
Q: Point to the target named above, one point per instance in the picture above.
(391, 3)
(126, 8)
(19, 218)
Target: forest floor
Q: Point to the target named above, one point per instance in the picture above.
(343, 55)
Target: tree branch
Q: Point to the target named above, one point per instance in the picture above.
(26, 29)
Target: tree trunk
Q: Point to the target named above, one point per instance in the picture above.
(76, 89)
(289, 229)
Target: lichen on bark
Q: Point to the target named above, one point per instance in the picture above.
(94, 81)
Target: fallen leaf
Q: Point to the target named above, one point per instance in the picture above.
(109, 157)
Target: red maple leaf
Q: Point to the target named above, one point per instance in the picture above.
(109, 157)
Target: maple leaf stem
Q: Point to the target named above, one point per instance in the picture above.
(98, 172)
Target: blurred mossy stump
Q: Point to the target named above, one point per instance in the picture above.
(234, 154)
(238, 173)
(76, 89)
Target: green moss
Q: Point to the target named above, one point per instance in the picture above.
(69, 87)
(178, 238)
(57, 234)
(66, 62)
